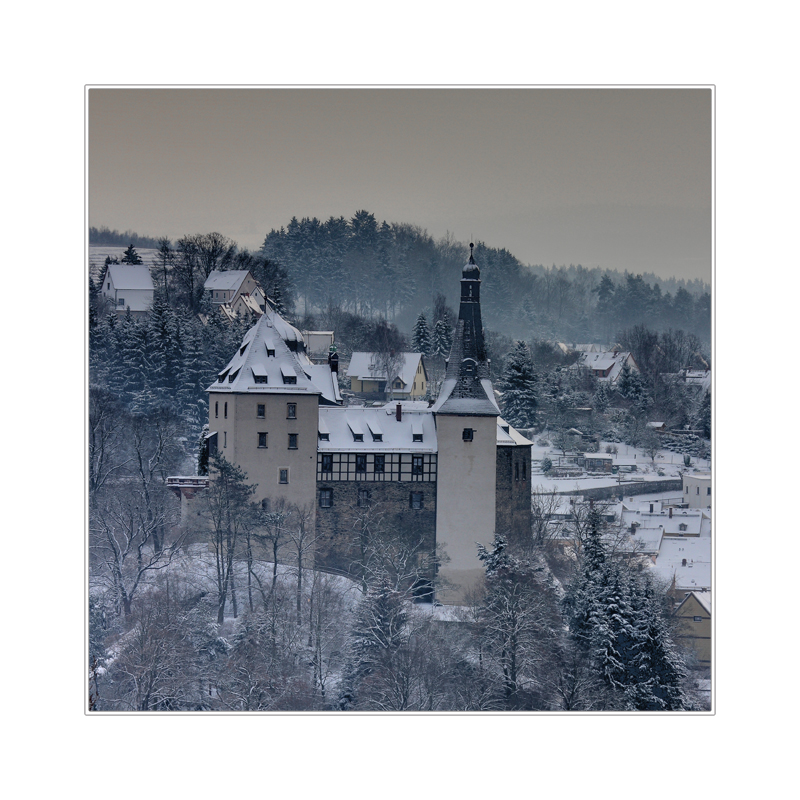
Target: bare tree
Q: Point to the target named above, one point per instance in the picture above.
(228, 508)
(122, 540)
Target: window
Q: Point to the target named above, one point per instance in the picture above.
(361, 463)
(261, 410)
(358, 437)
(283, 475)
(416, 465)
(416, 437)
(225, 439)
(697, 619)
(327, 462)
(325, 498)
(708, 490)
(698, 490)
(226, 411)
(288, 379)
(216, 409)
(262, 439)
(324, 437)
(377, 437)
(516, 471)
(524, 471)
(363, 497)
(416, 500)
(232, 376)
(682, 526)
(687, 490)
(467, 434)
(261, 379)
(291, 411)
(120, 302)
(293, 441)
(270, 353)
(380, 463)
(108, 286)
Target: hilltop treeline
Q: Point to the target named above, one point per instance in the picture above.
(105, 236)
(395, 270)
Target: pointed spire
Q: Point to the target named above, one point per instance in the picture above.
(466, 388)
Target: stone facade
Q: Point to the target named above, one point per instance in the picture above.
(360, 510)
(513, 492)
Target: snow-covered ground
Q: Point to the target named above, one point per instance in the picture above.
(667, 465)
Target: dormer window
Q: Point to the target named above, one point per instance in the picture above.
(242, 349)
(324, 437)
(232, 376)
(416, 437)
(377, 437)
(270, 353)
(290, 379)
(358, 437)
(221, 377)
(683, 526)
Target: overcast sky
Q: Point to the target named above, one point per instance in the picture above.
(619, 178)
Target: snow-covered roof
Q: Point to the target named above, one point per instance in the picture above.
(697, 553)
(483, 404)
(508, 436)
(341, 423)
(253, 360)
(367, 366)
(130, 276)
(695, 521)
(704, 598)
(228, 281)
(612, 360)
(648, 539)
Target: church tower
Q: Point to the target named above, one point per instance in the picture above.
(466, 427)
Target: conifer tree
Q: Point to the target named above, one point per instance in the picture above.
(518, 385)
(421, 337)
(130, 256)
(442, 338)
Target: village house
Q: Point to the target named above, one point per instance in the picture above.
(368, 376)
(229, 287)
(607, 365)
(697, 489)
(128, 287)
(694, 613)
(447, 476)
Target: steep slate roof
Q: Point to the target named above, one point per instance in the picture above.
(228, 281)
(466, 389)
(365, 367)
(130, 276)
(272, 332)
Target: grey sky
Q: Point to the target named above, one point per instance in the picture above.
(619, 178)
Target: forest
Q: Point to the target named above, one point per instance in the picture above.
(207, 619)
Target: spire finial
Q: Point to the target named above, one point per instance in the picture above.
(471, 259)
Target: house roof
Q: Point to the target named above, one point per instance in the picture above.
(697, 572)
(508, 436)
(366, 367)
(229, 280)
(613, 360)
(271, 333)
(130, 276)
(703, 599)
(341, 423)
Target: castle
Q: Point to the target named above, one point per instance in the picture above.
(447, 476)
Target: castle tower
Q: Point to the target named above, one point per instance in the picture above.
(466, 428)
(264, 409)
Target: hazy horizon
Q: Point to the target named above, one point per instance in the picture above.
(616, 178)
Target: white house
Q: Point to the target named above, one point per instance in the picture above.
(128, 286)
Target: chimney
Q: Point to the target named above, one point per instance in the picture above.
(670, 512)
(398, 412)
